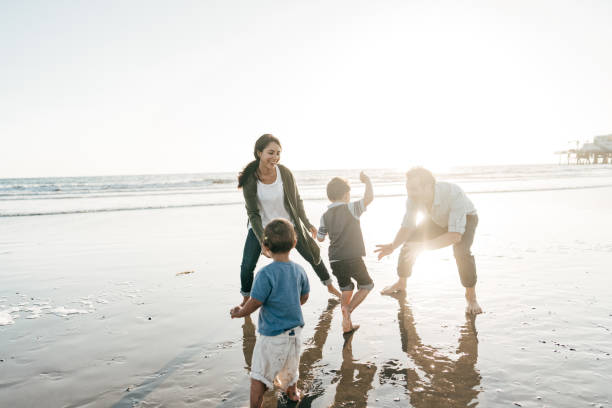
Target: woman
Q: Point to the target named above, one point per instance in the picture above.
(270, 192)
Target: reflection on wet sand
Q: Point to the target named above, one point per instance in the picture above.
(248, 341)
(354, 379)
(310, 373)
(309, 382)
(433, 379)
(437, 380)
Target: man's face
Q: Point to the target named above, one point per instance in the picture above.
(417, 192)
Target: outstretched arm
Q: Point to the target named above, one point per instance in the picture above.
(444, 240)
(387, 249)
(249, 307)
(300, 206)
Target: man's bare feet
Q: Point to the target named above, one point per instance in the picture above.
(472, 305)
(473, 308)
(331, 289)
(398, 286)
(293, 393)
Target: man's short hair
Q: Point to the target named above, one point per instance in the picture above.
(422, 175)
(336, 188)
(279, 236)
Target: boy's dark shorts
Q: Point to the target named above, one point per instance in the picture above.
(352, 268)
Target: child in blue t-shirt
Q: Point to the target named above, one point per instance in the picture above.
(281, 288)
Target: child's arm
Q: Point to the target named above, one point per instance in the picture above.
(249, 307)
(322, 230)
(368, 197)
(305, 287)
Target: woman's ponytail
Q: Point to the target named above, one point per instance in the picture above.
(247, 172)
(251, 168)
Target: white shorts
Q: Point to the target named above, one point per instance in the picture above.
(276, 359)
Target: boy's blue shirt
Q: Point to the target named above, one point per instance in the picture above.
(278, 287)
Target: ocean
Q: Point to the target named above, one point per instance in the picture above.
(70, 195)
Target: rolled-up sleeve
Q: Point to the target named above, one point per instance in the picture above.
(458, 212)
(322, 232)
(409, 220)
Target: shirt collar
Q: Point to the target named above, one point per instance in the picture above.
(336, 204)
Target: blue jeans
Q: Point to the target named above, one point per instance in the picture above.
(250, 256)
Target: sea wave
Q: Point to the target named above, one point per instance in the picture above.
(319, 196)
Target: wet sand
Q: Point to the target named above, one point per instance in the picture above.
(94, 314)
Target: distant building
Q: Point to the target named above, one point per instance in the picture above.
(599, 151)
(604, 142)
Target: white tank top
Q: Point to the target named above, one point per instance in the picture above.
(271, 200)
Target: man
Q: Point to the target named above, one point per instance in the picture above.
(449, 219)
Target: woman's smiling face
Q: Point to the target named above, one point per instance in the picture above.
(270, 156)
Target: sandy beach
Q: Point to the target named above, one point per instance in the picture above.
(95, 312)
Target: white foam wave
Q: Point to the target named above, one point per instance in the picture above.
(64, 312)
(6, 317)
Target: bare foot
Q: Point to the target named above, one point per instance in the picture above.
(396, 287)
(331, 289)
(293, 393)
(473, 308)
(347, 325)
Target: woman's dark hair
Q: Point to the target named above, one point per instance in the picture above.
(251, 168)
(279, 236)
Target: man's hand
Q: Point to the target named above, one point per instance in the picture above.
(384, 250)
(364, 178)
(235, 312)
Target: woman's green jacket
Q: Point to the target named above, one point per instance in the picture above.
(293, 205)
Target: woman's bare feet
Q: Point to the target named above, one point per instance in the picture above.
(293, 393)
(331, 289)
(398, 286)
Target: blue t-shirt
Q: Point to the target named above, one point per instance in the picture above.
(278, 287)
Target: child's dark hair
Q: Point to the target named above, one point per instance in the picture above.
(336, 188)
(279, 236)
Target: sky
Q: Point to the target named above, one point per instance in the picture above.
(141, 87)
